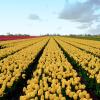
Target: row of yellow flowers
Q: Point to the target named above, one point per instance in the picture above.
(95, 51)
(54, 78)
(92, 50)
(12, 66)
(9, 43)
(92, 43)
(88, 62)
(10, 50)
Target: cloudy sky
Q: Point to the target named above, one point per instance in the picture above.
(37, 17)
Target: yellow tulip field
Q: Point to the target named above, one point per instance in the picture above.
(50, 68)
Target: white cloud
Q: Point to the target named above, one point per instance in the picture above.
(34, 17)
(82, 12)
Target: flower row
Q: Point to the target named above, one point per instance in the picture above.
(11, 68)
(92, 50)
(10, 50)
(88, 62)
(54, 78)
